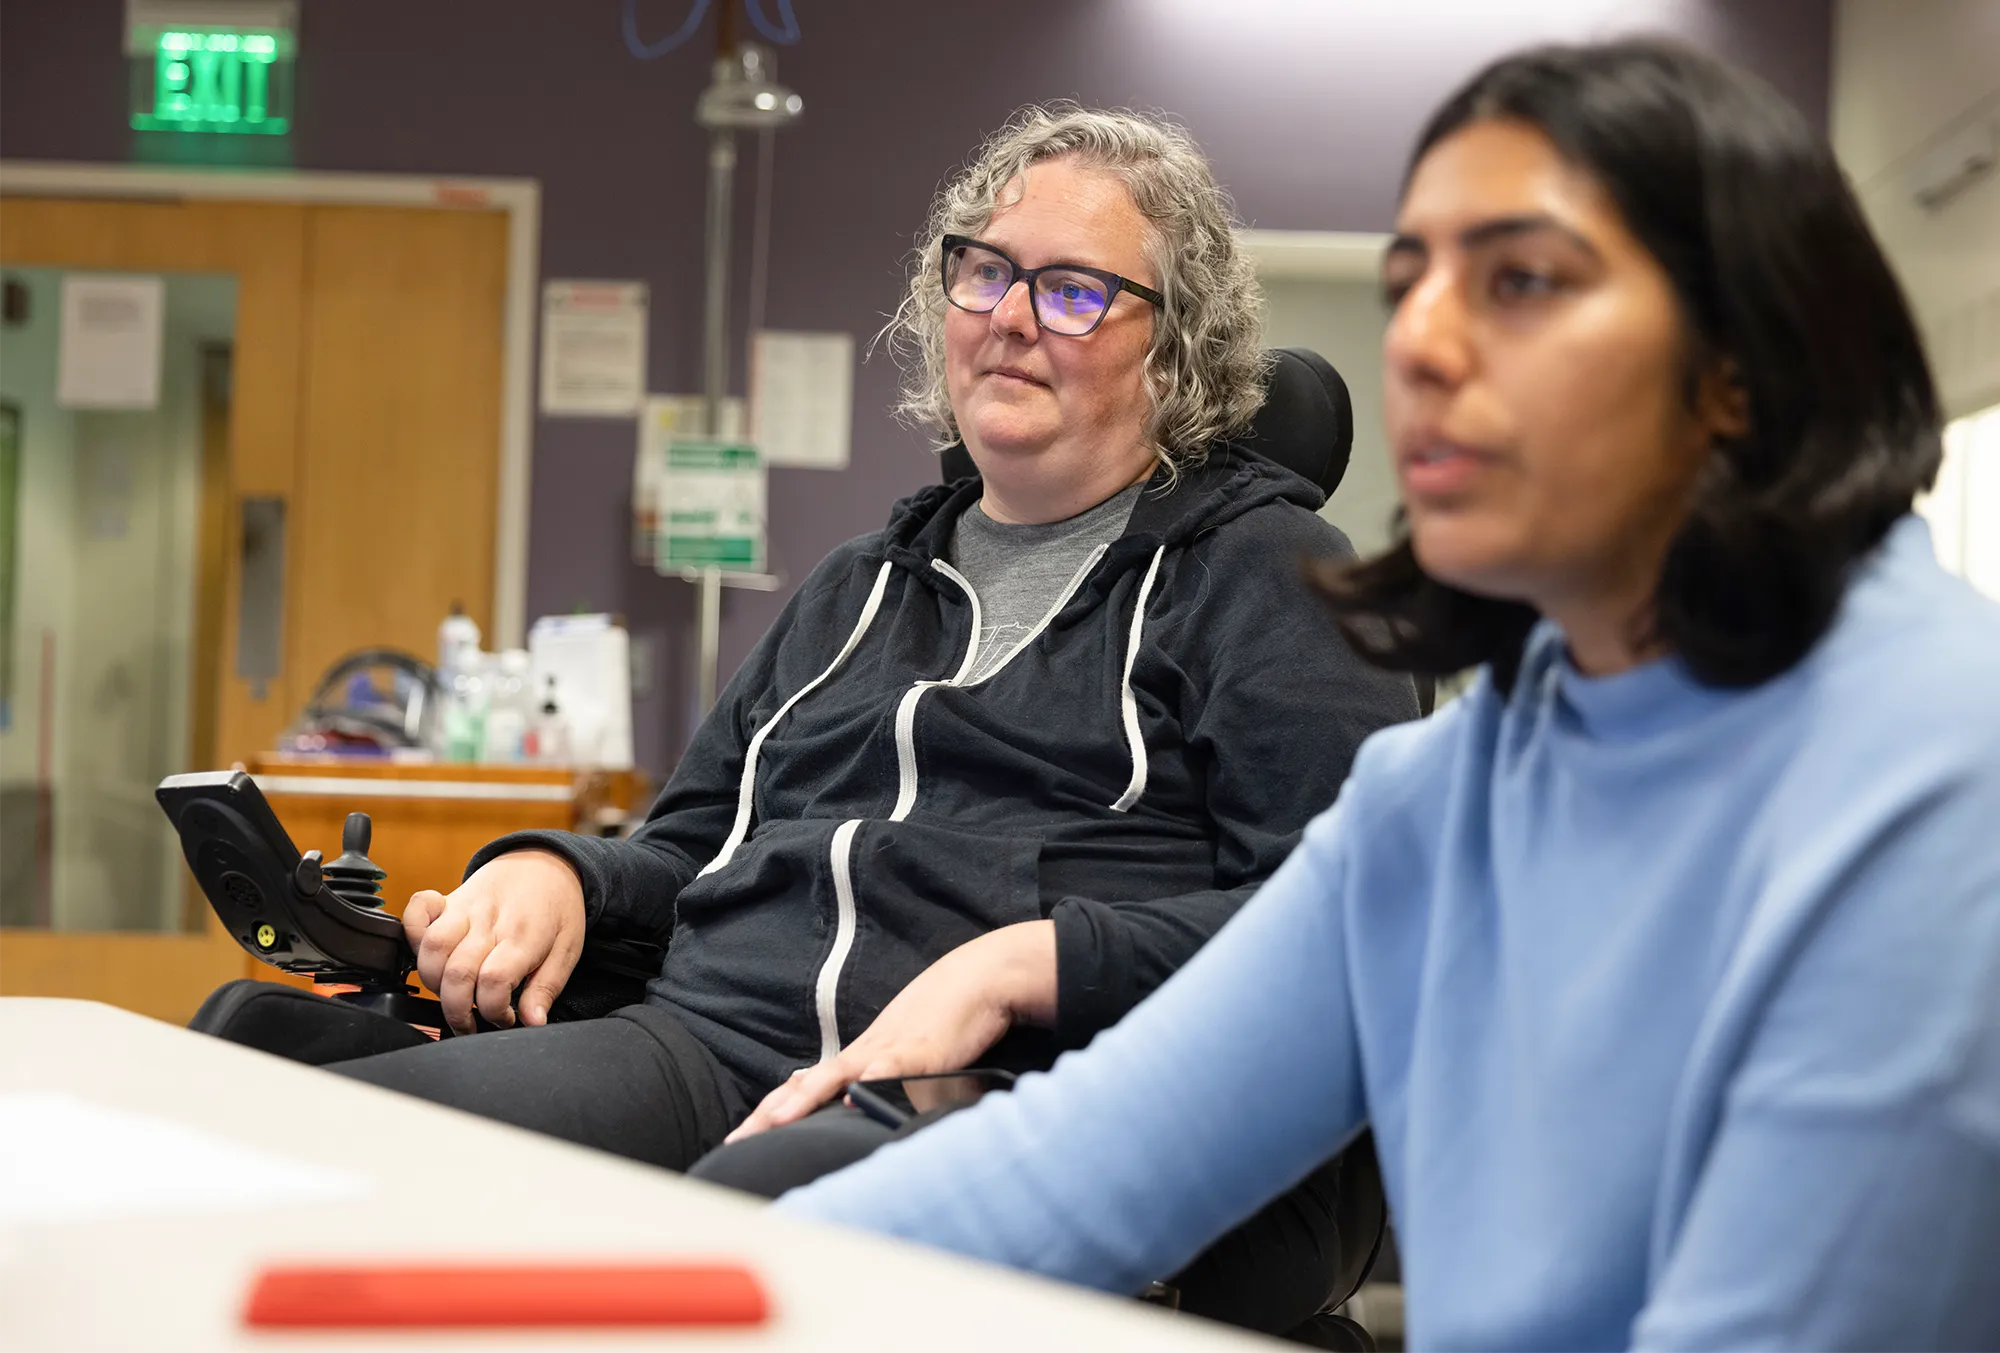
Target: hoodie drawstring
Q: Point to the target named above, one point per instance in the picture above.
(746, 793)
(1127, 701)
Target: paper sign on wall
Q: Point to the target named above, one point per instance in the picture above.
(108, 355)
(593, 348)
(664, 418)
(802, 398)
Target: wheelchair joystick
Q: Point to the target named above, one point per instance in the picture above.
(357, 880)
(353, 876)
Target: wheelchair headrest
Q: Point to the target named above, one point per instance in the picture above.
(1305, 424)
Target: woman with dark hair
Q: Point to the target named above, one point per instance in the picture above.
(1665, 963)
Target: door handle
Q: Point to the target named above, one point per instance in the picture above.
(260, 599)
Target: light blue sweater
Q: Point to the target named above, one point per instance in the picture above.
(1676, 1012)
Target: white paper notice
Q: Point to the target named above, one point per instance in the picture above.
(65, 1160)
(593, 348)
(687, 416)
(108, 356)
(802, 398)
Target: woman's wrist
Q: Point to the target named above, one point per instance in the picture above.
(1021, 963)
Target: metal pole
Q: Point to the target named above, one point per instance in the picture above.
(715, 383)
(715, 329)
(711, 635)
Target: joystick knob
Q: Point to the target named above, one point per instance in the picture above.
(353, 876)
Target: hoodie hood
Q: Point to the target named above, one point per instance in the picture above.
(1170, 512)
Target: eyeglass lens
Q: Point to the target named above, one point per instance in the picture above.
(1066, 302)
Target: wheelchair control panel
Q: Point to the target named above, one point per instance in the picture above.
(323, 919)
(294, 911)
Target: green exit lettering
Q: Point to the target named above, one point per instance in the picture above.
(213, 82)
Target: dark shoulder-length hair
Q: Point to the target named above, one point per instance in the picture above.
(1776, 272)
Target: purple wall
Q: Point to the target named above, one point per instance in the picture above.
(1306, 106)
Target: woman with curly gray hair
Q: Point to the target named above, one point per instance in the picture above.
(1203, 368)
(1000, 767)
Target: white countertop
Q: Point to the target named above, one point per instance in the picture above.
(395, 1178)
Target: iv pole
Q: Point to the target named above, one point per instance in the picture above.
(743, 96)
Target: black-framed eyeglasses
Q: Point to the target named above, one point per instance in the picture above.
(1068, 299)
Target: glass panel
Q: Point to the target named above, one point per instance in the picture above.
(106, 600)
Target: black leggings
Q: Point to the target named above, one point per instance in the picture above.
(636, 1083)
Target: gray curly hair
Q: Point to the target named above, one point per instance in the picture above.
(1206, 366)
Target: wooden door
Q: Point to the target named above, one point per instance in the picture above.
(365, 400)
(399, 455)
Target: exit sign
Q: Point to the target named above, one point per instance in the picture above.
(211, 66)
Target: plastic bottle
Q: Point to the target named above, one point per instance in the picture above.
(510, 708)
(551, 730)
(465, 707)
(457, 632)
(457, 637)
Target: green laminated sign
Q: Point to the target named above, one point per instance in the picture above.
(710, 507)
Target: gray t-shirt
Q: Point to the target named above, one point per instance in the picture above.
(1017, 572)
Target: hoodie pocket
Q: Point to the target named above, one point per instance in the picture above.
(921, 890)
(749, 940)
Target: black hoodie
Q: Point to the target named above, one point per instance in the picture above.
(851, 810)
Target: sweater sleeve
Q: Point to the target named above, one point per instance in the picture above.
(1850, 1194)
(1118, 1166)
(629, 886)
(1281, 706)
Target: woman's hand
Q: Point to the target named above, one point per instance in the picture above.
(518, 919)
(955, 1010)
